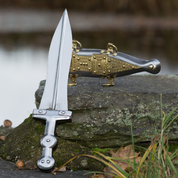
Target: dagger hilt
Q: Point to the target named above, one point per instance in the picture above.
(48, 141)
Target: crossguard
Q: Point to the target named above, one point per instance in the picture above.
(48, 141)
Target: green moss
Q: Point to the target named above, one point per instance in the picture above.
(91, 161)
(101, 150)
(59, 163)
(4, 155)
(77, 150)
(39, 128)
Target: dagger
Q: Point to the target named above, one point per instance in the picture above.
(54, 105)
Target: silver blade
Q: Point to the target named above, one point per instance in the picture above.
(59, 58)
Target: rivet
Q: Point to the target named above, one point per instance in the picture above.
(73, 69)
(94, 57)
(109, 71)
(123, 66)
(48, 140)
(104, 57)
(104, 72)
(81, 63)
(89, 68)
(73, 56)
(42, 161)
(94, 71)
(48, 161)
(99, 64)
(89, 59)
(78, 58)
(78, 68)
(133, 67)
(151, 66)
(40, 111)
(63, 112)
(109, 60)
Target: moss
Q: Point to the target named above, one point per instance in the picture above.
(4, 155)
(77, 150)
(103, 151)
(59, 163)
(91, 162)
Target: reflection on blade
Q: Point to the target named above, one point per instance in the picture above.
(55, 92)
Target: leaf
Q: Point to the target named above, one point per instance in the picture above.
(61, 169)
(98, 176)
(2, 137)
(108, 171)
(126, 158)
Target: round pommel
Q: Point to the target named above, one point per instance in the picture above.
(153, 66)
(46, 163)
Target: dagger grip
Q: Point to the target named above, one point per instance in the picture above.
(48, 141)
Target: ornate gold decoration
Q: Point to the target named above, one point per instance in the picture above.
(73, 79)
(111, 48)
(98, 64)
(110, 79)
(76, 46)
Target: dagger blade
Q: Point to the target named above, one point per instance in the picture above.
(54, 104)
(59, 58)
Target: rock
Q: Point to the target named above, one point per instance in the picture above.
(23, 143)
(102, 118)
(4, 131)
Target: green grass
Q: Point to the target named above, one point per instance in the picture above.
(156, 162)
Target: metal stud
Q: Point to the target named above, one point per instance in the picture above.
(63, 112)
(151, 66)
(48, 140)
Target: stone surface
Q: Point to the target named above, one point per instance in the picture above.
(102, 118)
(9, 170)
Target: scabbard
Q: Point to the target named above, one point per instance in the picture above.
(107, 63)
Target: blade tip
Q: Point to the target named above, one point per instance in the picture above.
(65, 11)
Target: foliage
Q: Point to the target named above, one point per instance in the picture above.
(156, 161)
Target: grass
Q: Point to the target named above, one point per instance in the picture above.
(156, 162)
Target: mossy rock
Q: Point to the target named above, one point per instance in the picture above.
(23, 143)
(102, 119)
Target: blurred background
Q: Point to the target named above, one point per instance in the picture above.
(145, 29)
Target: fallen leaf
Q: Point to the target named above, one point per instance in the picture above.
(62, 169)
(169, 154)
(29, 165)
(108, 172)
(127, 155)
(98, 176)
(2, 137)
(52, 172)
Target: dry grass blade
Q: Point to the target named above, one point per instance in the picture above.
(119, 174)
(146, 154)
(154, 149)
